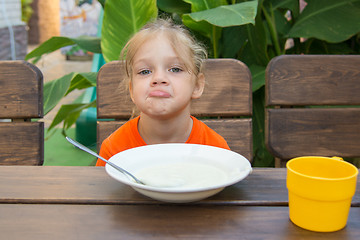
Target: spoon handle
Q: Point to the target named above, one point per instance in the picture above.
(82, 147)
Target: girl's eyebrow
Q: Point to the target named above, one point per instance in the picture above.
(170, 59)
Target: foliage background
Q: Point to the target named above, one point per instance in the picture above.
(251, 31)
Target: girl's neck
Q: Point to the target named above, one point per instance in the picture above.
(156, 131)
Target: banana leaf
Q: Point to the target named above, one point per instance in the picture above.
(228, 15)
(330, 20)
(55, 90)
(88, 43)
(123, 18)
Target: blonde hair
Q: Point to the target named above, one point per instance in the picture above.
(185, 46)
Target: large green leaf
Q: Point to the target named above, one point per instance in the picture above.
(258, 76)
(228, 15)
(55, 90)
(203, 27)
(329, 20)
(69, 113)
(258, 45)
(233, 41)
(82, 81)
(201, 5)
(88, 43)
(174, 6)
(123, 18)
(292, 5)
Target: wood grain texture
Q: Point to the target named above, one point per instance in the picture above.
(22, 90)
(21, 143)
(237, 132)
(92, 185)
(313, 80)
(21, 100)
(227, 93)
(296, 83)
(158, 222)
(323, 132)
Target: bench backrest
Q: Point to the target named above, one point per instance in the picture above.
(313, 106)
(21, 140)
(225, 106)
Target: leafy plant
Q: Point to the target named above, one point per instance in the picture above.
(26, 10)
(251, 31)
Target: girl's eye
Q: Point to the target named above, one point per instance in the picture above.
(144, 72)
(175, 69)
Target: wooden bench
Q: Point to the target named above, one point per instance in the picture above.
(225, 106)
(21, 140)
(313, 106)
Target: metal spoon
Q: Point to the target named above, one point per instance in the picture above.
(123, 171)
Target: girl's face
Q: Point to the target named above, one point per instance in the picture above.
(161, 85)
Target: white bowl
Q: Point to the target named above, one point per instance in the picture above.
(234, 166)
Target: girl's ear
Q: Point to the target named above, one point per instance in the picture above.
(199, 86)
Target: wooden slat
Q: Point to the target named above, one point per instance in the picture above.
(24, 221)
(228, 91)
(237, 132)
(21, 143)
(22, 91)
(313, 131)
(92, 185)
(313, 80)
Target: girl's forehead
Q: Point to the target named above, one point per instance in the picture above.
(158, 46)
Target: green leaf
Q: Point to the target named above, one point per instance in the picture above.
(329, 20)
(50, 45)
(205, 28)
(292, 5)
(202, 27)
(233, 40)
(257, 42)
(174, 6)
(201, 5)
(123, 18)
(69, 113)
(258, 76)
(56, 89)
(88, 43)
(82, 81)
(229, 15)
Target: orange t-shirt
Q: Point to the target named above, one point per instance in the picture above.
(128, 136)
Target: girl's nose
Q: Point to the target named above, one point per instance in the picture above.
(159, 79)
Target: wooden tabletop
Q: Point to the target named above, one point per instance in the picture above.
(85, 203)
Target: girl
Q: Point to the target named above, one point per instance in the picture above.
(163, 65)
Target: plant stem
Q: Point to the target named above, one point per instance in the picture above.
(272, 28)
(214, 41)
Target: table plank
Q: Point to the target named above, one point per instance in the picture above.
(92, 185)
(32, 221)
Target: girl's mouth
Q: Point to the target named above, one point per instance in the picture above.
(159, 93)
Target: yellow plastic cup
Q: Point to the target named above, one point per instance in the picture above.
(320, 192)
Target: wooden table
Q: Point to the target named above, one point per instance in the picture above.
(85, 203)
